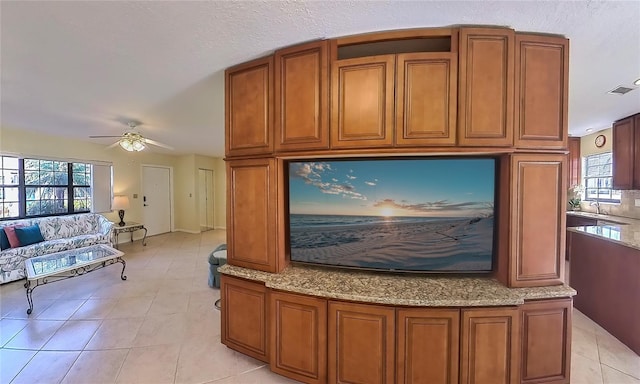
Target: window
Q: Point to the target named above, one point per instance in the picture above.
(38, 187)
(598, 178)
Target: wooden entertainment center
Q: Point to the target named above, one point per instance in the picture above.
(422, 92)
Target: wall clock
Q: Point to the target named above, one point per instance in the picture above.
(600, 140)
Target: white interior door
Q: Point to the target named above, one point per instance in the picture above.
(205, 189)
(156, 199)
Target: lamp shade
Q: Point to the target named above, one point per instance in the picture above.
(120, 202)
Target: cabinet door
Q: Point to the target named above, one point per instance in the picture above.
(538, 200)
(623, 153)
(426, 99)
(299, 337)
(542, 79)
(636, 152)
(301, 98)
(546, 341)
(575, 162)
(489, 350)
(244, 321)
(362, 102)
(485, 99)
(427, 345)
(248, 108)
(361, 343)
(251, 215)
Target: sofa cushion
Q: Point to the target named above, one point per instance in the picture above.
(10, 230)
(4, 241)
(29, 235)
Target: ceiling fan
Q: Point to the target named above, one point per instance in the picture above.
(132, 140)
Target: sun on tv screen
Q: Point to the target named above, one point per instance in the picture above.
(423, 215)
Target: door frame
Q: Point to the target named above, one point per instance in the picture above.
(171, 203)
(213, 196)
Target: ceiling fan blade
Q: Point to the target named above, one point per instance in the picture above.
(113, 145)
(100, 137)
(153, 142)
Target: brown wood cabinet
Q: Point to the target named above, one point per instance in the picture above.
(426, 99)
(575, 221)
(251, 215)
(427, 345)
(486, 86)
(301, 97)
(541, 96)
(244, 317)
(249, 108)
(361, 340)
(489, 348)
(575, 163)
(362, 102)
(299, 336)
(537, 218)
(626, 153)
(546, 341)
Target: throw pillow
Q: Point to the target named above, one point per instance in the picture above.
(11, 235)
(4, 241)
(29, 235)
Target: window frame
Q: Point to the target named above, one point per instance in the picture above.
(600, 177)
(69, 187)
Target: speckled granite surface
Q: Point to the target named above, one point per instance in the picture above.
(627, 232)
(411, 290)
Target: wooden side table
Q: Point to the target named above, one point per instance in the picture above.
(131, 227)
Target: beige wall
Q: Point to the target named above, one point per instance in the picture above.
(627, 206)
(127, 172)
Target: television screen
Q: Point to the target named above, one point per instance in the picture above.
(425, 215)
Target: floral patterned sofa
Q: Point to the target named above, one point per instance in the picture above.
(60, 233)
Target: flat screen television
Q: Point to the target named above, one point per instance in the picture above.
(394, 214)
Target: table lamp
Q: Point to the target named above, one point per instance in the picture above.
(121, 202)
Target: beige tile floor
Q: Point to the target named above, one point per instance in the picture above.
(159, 326)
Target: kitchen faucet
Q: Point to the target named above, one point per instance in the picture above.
(597, 204)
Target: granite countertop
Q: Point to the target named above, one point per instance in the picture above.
(397, 289)
(626, 233)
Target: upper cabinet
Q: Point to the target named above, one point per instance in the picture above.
(541, 96)
(575, 162)
(249, 108)
(486, 77)
(362, 102)
(626, 153)
(301, 97)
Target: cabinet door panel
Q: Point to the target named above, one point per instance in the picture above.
(426, 99)
(244, 321)
(302, 113)
(636, 152)
(538, 220)
(361, 340)
(485, 107)
(575, 162)
(362, 102)
(299, 337)
(541, 110)
(546, 341)
(249, 108)
(623, 154)
(427, 343)
(489, 349)
(251, 217)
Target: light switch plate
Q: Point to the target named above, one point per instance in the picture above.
(637, 202)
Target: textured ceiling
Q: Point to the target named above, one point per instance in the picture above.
(85, 68)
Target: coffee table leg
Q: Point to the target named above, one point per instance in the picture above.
(144, 239)
(124, 265)
(27, 285)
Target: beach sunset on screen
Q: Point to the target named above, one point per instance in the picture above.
(422, 214)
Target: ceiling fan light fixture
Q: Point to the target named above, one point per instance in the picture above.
(138, 145)
(126, 144)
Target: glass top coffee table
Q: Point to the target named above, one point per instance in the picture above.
(63, 265)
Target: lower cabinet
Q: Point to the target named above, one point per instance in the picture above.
(316, 340)
(489, 349)
(546, 354)
(244, 317)
(361, 343)
(427, 345)
(299, 336)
